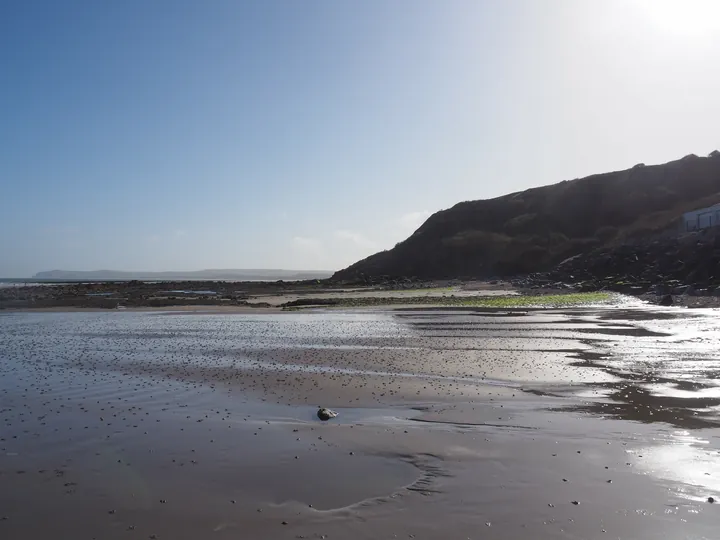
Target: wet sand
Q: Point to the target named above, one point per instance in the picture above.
(586, 423)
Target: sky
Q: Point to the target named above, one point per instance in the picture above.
(184, 135)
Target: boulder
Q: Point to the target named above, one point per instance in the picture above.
(666, 300)
(325, 414)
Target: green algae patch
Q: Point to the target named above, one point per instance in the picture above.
(500, 302)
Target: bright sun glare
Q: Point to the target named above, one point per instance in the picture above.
(687, 17)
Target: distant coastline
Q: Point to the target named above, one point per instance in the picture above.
(24, 282)
(34, 282)
(254, 274)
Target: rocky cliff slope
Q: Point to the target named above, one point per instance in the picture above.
(687, 264)
(534, 230)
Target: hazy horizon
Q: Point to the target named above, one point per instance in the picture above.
(310, 135)
(274, 273)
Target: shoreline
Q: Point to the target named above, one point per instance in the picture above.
(274, 297)
(109, 295)
(209, 308)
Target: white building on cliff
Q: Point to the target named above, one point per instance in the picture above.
(703, 218)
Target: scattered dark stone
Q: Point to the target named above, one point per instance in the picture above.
(325, 414)
(679, 264)
(711, 499)
(575, 502)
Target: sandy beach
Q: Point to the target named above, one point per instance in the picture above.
(579, 423)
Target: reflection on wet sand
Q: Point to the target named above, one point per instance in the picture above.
(673, 380)
(452, 424)
(649, 397)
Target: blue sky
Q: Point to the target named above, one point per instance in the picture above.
(178, 134)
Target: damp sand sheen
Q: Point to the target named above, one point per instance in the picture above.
(594, 422)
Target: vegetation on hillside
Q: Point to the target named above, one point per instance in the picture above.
(535, 229)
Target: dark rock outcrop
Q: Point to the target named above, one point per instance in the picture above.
(688, 264)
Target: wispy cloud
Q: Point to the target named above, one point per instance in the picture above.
(412, 220)
(306, 243)
(357, 238)
(342, 247)
(309, 252)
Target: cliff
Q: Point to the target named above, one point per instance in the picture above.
(534, 230)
